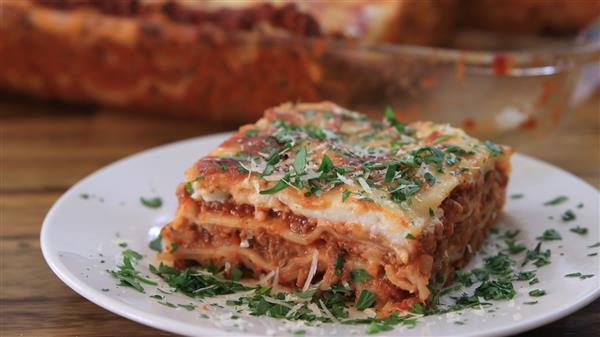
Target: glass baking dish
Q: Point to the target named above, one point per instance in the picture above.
(508, 96)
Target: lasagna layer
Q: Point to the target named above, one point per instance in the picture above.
(343, 224)
(266, 242)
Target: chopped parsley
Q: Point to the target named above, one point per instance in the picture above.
(300, 161)
(580, 275)
(167, 304)
(281, 185)
(540, 258)
(391, 119)
(579, 230)
(236, 273)
(196, 283)
(417, 308)
(390, 173)
(511, 234)
(464, 278)
(429, 178)
(376, 325)
(514, 247)
(223, 166)
(339, 264)
(188, 307)
(189, 186)
(360, 275)
(345, 195)
(410, 237)
(499, 264)
(537, 293)
(496, 290)
(365, 300)
(440, 139)
(517, 196)
(252, 133)
(84, 196)
(126, 273)
(550, 235)
(494, 149)
(315, 132)
(155, 202)
(556, 201)
(531, 303)
(568, 215)
(524, 275)
(156, 244)
(595, 245)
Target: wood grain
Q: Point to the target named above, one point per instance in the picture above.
(45, 148)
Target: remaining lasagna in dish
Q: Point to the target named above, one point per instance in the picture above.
(314, 195)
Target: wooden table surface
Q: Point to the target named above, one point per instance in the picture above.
(46, 148)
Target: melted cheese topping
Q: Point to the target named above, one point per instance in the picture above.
(361, 197)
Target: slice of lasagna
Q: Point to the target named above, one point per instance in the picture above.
(314, 195)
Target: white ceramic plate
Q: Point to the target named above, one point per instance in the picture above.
(80, 239)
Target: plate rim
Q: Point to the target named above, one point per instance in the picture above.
(175, 326)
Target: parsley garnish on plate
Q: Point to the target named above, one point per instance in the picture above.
(496, 290)
(155, 202)
(556, 201)
(550, 235)
(156, 244)
(188, 307)
(514, 247)
(516, 196)
(568, 215)
(537, 293)
(540, 258)
(579, 275)
(579, 230)
(126, 273)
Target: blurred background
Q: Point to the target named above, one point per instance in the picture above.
(502, 69)
(86, 82)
